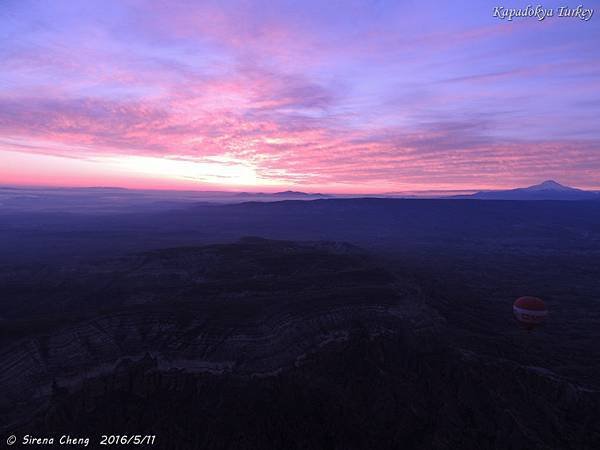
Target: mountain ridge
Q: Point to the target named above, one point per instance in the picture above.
(546, 190)
(286, 194)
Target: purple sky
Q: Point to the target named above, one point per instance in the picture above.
(371, 96)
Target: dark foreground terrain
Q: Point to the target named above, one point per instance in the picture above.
(367, 324)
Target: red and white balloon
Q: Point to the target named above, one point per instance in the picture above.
(530, 311)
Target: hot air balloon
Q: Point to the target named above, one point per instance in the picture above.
(530, 311)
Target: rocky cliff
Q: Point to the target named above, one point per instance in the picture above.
(266, 344)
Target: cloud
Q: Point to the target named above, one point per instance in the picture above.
(370, 95)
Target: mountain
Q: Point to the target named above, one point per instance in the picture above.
(288, 195)
(551, 185)
(296, 194)
(548, 190)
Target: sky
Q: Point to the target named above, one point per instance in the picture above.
(330, 96)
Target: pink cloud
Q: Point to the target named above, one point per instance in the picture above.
(368, 98)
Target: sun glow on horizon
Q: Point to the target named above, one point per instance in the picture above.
(131, 171)
(222, 170)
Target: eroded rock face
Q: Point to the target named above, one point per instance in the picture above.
(365, 392)
(267, 344)
(254, 308)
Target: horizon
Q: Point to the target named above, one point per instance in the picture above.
(370, 98)
(417, 193)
